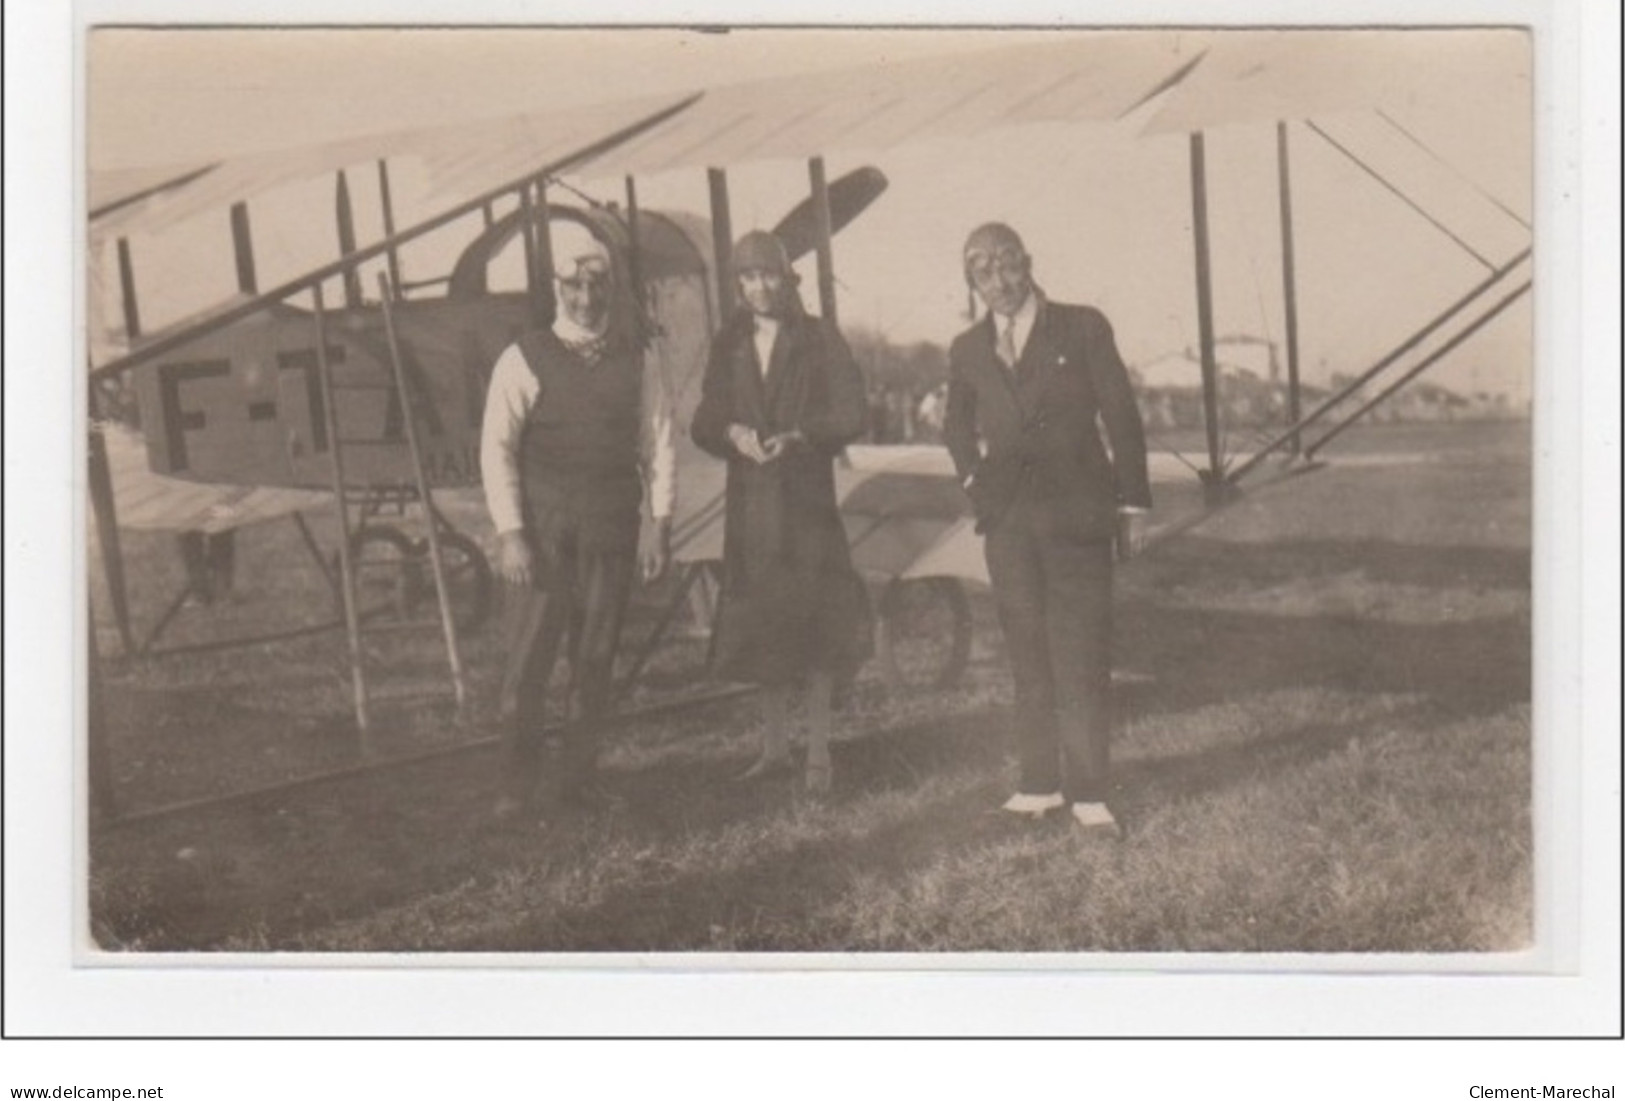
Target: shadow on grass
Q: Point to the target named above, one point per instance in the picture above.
(289, 864)
(1200, 658)
(1197, 557)
(763, 904)
(1197, 656)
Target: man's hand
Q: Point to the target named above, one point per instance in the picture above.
(1130, 535)
(657, 554)
(514, 563)
(747, 443)
(778, 445)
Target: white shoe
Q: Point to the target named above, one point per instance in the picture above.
(1035, 806)
(1096, 818)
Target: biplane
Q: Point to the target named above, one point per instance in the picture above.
(247, 405)
(272, 387)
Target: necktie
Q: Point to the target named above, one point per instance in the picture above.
(1007, 342)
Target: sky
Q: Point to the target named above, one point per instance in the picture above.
(1105, 209)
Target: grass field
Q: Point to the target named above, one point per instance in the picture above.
(1323, 746)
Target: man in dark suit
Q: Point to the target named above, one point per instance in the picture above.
(1028, 386)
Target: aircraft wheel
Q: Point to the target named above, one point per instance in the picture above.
(925, 632)
(385, 572)
(468, 578)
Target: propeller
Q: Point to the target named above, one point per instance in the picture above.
(849, 196)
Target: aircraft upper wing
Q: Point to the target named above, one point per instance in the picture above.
(1097, 76)
(1077, 77)
(116, 189)
(149, 200)
(1265, 76)
(1200, 79)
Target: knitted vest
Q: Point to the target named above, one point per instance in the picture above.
(579, 452)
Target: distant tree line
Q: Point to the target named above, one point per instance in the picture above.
(906, 386)
(908, 383)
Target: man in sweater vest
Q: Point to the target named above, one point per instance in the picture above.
(577, 432)
(1027, 387)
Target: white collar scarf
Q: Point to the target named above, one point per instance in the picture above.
(584, 342)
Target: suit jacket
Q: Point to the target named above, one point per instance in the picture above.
(1046, 463)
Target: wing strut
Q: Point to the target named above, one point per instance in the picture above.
(345, 215)
(541, 277)
(1449, 346)
(634, 252)
(1289, 286)
(722, 242)
(127, 297)
(1213, 480)
(386, 203)
(101, 472)
(107, 533)
(242, 249)
(1408, 345)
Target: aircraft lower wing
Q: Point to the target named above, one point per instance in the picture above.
(905, 514)
(152, 502)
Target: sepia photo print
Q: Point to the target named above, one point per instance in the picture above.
(911, 494)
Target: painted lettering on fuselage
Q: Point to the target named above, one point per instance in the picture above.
(247, 406)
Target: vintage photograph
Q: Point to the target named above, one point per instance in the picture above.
(810, 491)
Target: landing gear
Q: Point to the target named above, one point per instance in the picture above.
(393, 578)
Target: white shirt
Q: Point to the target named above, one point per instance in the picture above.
(515, 390)
(1023, 320)
(767, 333)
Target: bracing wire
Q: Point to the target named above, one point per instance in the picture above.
(1406, 199)
(1477, 187)
(596, 204)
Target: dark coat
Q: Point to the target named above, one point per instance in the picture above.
(1046, 461)
(791, 601)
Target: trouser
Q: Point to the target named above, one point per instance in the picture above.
(1054, 602)
(578, 594)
